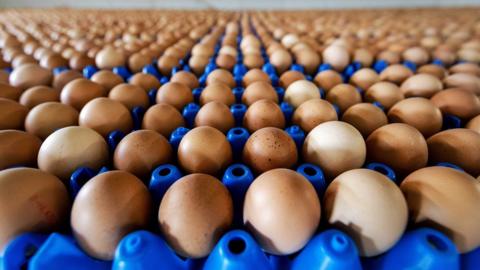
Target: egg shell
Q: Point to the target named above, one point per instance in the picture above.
(30, 201)
(309, 59)
(197, 63)
(435, 70)
(369, 207)
(257, 91)
(10, 92)
(400, 146)
(163, 118)
(107, 79)
(129, 95)
(4, 76)
(396, 73)
(107, 208)
(18, 148)
(79, 92)
(47, 117)
(417, 55)
(386, 93)
(474, 124)
(225, 61)
(29, 75)
(441, 197)
(463, 80)
(365, 117)
(109, 57)
(263, 113)
(466, 67)
(334, 146)
(301, 91)
(221, 76)
(255, 75)
(364, 78)
(421, 85)
(146, 81)
(328, 79)
(137, 61)
(217, 92)
(176, 94)
(281, 60)
(59, 156)
(313, 112)
(80, 61)
(187, 78)
(458, 102)
(194, 213)
(344, 96)
(337, 56)
(204, 150)
(290, 77)
(282, 211)
(60, 80)
(252, 61)
(36, 95)
(215, 114)
(452, 145)
(12, 114)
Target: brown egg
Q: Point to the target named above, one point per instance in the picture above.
(39, 94)
(364, 78)
(79, 92)
(109, 57)
(107, 208)
(313, 112)
(417, 55)
(445, 199)
(12, 114)
(269, 148)
(215, 114)
(369, 207)
(463, 80)
(53, 60)
(80, 61)
(396, 73)
(263, 113)
(458, 102)
(30, 201)
(197, 63)
(385, 93)
(365, 117)
(309, 59)
(435, 70)
(282, 211)
(421, 85)
(47, 117)
(300, 91)
(281, 60)
(252, 61)
(255, 75)
(290, 77)
(175, 94)
(334, 146)
(141, 151)
(474, 124)
(459, 146)
(225, 61)
(363, 56)
(217, 92)
(328, 79)
(419, 113)
(146, 81)
(204, 150)
(398, 145)
(60, 80)
(4, 76)
(194, 214)
(10, 92)
(344, 96)
(471, 68)
(29, 75)
(137, 61)
(257, 91)
(18, 148)
(59, 156)
(105, 115)
(187, 78)
(163, 118)
(129, 95)
(221, 76)
(107, 79)
(337, 56)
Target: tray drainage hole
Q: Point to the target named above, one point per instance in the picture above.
(237, 246)
(437, 243)
(310, 171)
(164, 172)
(339, 243)
(238, 172)
(238, 131)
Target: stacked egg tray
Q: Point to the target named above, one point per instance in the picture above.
(240, 140)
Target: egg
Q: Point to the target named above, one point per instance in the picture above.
(463, 80)
(221, 76)
(12, 114)
(396, 73)
(417, 55)
(369, 207)
(105, 115)
(204, 150)
(435, 70)
(445, 199)
(363, 56)
(385, 93)
(31, 201)
(129, 95)
(290, 77)
(197, 63)
(335, 147)
(60, 80)
(163, 118)
(215, 114)
(29, 75)
(107, 208)
(194, 213)
(252, 61)
(452, 145)
(400, 146)
(282, 211)
(217, 92)
(109, 57)
(80, 61)
(337, 56)
(36, 95)
(107, 79)
(421, 85)
(47, 117)
(328, 79)
(4, 76)
(225, 61)
(18, 148)
(146, 81)
(364, 78)
(344, 96)
(313, 112)
(365, 117)
(309, 59)
(186, 78)
(465, 67)
(263, 113)
(474, 124)
(79, 92)
(257, 91)
(59, 156)
(281, 60)
(137, 61)
(301, 91)
(10, 92)
(176, 94)
(255, 75)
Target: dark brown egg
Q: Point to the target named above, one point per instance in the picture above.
(215, 114)
(107, 208)
(458, 102)
(29, 75)
(385, 93)
(344, 96)
(107, 79)
(204, 150)
(163, 118)
(257, 91)
(313, 112)
(463, 80)
(60, 80)
(365, 117)
(10, 92)
(269, 148)
(176, 94)
(79, 92)
(445, 199)
(109, 57)
(364, 78)
(435, 70)
(194, 214)
(44, 119)
(396, 73)
(141, 151)
(12, 114)
(129, 95)
(419, 113)
(31, 201)
(400, 146)
(187, 78)
(452, 145)
(263, 113)
(290, 77)
(38, 95)
(146, 81)
(255, 75)
(281, 60)
(18, 148)
(276, 202)
(328, 79)
(105, 115)
(59, 156)
(474, 124)
(221, 76)
(421, 85)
